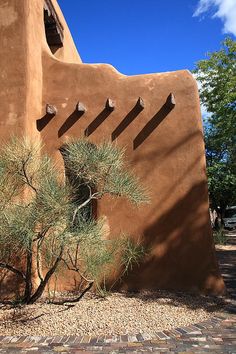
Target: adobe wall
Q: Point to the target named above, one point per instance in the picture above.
(164, 146)
(13, 79)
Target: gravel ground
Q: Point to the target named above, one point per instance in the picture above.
(117, 314)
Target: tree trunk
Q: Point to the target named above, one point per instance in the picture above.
(38, 293)
(28, 277)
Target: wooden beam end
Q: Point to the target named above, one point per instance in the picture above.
(140, 103)
(110, 105)
(51, 110)
(80, 107)
(171, 100)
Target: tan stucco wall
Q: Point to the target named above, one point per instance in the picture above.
(164, 148)
(13, 84)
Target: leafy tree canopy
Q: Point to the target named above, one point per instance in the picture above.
(217, 75)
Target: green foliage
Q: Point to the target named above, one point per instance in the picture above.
(132, 254)
(95, 254)
(222, 184)
(40, 221)
(220, 237)
(217, 76)
(102, 168)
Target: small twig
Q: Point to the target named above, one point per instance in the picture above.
(25, 174)
(71, 260)
(96, 195)
(76, 254)
(77, 271)
(118, 279)
(106, 176)
(41, 234)
(38, 258)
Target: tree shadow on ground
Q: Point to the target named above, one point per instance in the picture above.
(227, 262)
(177, 298)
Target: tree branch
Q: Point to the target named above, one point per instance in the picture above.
(25, 175)
(96, 195)
(77, 271)
(43, 283)
(77, 298)
(39, 243)
(41, 234)
(13, 270)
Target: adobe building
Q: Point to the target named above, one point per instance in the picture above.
(156, 117)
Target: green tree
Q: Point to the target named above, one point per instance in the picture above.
(43, 223)
(217, 75)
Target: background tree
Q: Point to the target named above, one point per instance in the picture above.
(42, 218)
(217, 76)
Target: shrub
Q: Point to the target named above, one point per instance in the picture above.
(44, 218)
(220, 237)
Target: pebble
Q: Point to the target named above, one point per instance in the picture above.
(119, 314)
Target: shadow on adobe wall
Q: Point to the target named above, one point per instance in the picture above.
(152, 125)
(164, 153)
(97, 122)
(179, 262)
(10, 286)
(70, 121)
(185, 258)
(127, 121)
(44, 121)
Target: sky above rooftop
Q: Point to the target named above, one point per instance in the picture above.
(146, 36)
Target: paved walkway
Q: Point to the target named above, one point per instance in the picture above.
(217, 335)
(227, 261)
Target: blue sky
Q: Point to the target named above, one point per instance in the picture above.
(146, 36)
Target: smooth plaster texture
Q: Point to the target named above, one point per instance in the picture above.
(164, 146)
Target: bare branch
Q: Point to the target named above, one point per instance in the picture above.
(43, 283)
(77, 271)
(76, 299)
(25, 174)
(96, 195)
(76, 254)
(13, 270)
(106, 177)
(42, 234)
(39, 243)
(71, 260)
